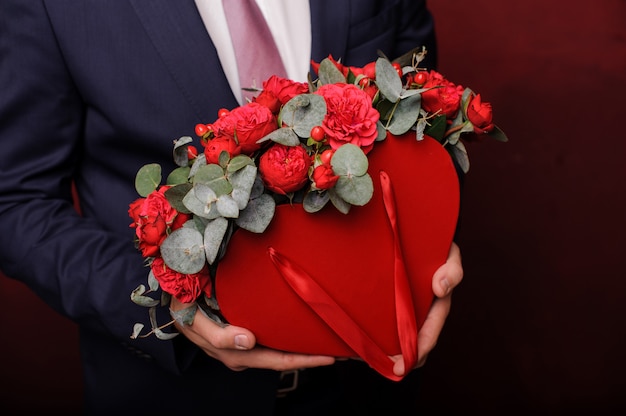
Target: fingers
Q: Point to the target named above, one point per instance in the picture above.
(236, 347)
(450, 274)
(431, 329)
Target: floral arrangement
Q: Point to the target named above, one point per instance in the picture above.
(305, 142)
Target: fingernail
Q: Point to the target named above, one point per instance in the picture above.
(241, 342)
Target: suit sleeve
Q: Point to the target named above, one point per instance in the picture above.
(74, 264)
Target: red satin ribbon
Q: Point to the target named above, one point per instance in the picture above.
(337, 318)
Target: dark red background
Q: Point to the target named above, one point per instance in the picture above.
(537, 324)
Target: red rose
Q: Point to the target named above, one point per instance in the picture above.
(284, 169)
(246, 125)
(153, 217)
(480, 115)
(277, 91)
(184, 287)
(350, 117)
(324, 177)
(215, 146)
(446, 98)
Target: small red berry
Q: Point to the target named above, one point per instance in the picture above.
(326, 156)
(398, 68)
(222, 112)
(201, 130)
(192, 152)
(364, 82)
(317, 133)
(420, 78)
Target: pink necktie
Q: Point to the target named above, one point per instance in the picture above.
(256, 53)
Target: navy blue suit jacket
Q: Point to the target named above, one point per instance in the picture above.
(90, 91)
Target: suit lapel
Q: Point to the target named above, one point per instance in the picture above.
(329, 28)
(179, 35)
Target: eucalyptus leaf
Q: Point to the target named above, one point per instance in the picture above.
(257, 188)
(204, 193)
(355, 190)
(303, 112)
(498, 134)
(239, 162)
(341, 205)
(164, 336)
(227, 206)
(459, 153)
(223, 159)
(388, 80)
(385, 109)
(328, 73)
(198, 207)
(213, 236)
(455, 137)
(148, 179)
(146, 301)
(183, 251)
(283, 135)
(137, 296)
(314, 201)
(181, 157)
(185, 316)
(214, 177)
(178, 176)
(137, 328)
(349, 160)
(139, 290)
(405, 115)
(382, 131)
(197, 164)
(258, 214)
(153, 283)
(242, 182)
(175, 196)
(437, 128)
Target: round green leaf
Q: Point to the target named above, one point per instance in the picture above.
(148, 179)
(349, 160)
(303, 112)
(175, 196)
(242, 182)
(405, 115)
(183, 251)
(387, 80)
(328, 73)
(213, 236)
(178, 176)
(314, 201)
(213, 176)
(227, 206)
(355, 190)
(181, 157)
(258, 214)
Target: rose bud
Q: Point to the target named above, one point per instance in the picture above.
(216, 146)
(324, 177)
(480, 115)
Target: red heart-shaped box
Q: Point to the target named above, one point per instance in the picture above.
(350, 256)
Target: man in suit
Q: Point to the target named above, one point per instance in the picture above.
(90, 92)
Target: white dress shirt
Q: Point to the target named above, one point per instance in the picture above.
(290, 24)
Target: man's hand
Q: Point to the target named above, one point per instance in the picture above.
(235, 346)
(445, 279)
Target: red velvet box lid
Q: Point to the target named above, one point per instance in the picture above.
(351, 257)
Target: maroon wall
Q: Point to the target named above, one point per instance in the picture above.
(536, 326)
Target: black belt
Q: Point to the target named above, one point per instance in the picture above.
(289, 381)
